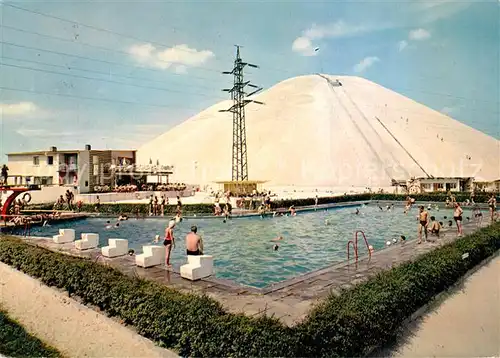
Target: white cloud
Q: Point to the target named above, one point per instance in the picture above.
(17, 109)
(334, 30)
(427, 11)
(26, 132)
(304, 46)
(177, 58)
(365, 63)
(402, 45)
(304, 43)
(419, 34)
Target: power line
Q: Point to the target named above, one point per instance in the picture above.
(109, 81)
(97, 47)
(116, 33)
(90, 58)
(91, 98)
(71, 68)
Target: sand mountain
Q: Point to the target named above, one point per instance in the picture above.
(322, 130)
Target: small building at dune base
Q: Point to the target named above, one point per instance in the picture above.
(429, 185)
(244, 187)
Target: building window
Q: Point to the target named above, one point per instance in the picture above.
(36, 160)
(50, 160)
(96, 170)
(86, 183)
(439, 185)
(453, 185)
(426, 186)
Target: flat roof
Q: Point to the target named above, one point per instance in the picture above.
(242, 182)
(67, 151)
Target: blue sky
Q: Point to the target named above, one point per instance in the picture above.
(160, 62)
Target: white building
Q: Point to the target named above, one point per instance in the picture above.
(80, 169)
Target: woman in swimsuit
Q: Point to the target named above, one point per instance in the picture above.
(492, 203)
(169, 242)
(457, 216)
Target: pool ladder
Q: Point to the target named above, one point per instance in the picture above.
(354, 243)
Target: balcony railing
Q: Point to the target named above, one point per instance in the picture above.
(68, 167)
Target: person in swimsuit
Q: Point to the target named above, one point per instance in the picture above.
(457, 216)
(478, 215)
(169, 241)
(492, 203)
(435, 227)
(194, 243)
(422, 224)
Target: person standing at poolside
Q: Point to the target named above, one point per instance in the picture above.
(156, 206)
(151, 205)
(179, 206)
(169, 242)
(422, 223)
(194, 243)
(162, 205)
(492, 203)
(316, 203)
(457, 216)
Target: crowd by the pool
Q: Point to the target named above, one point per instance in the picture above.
(131, 188)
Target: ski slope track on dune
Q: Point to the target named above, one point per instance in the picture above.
(313, 132)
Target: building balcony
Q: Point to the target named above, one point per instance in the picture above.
(64, 168)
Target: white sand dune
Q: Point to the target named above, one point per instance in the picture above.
(312, 133)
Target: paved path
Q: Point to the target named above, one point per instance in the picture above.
(61, 322)
(465, 324)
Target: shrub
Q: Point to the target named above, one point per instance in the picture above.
(352, 324)
(16, 342)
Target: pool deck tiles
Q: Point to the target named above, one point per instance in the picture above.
(291, 300)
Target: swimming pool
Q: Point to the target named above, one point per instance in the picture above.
(242, 247)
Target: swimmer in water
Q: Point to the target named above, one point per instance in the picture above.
(292, 211)
(357, 211)
(276, 247)
(157, 239)
(279, 238)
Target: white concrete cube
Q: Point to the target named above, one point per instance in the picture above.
(152, 255)
(198, 267)
(88, 241)
(65, 235)
(115, 248)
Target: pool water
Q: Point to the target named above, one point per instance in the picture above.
(242, 248)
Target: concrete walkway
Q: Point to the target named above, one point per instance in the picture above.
(465, 324)
(63, 323)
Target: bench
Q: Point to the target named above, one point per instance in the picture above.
(65, 235)
(116, 247)
(198, 267)
(152, 255)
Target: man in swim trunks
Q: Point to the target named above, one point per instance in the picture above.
(457, 216)
(194, 244)
(422, 224)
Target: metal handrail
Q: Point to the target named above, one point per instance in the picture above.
(355, 244)
(354, 248)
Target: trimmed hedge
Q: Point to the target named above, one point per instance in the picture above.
(16, 342)
(352, 324)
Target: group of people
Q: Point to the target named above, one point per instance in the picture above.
(67, 199)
